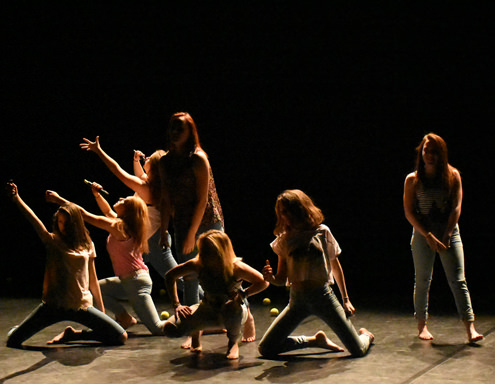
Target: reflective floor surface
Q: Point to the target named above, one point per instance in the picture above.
(397, 356)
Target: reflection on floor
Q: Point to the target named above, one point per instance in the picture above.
(397, 356)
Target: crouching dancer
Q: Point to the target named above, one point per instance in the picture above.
(221, 274)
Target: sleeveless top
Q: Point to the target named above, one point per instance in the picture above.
(307, 254)
(126, 260)
(181, 185)
(66, 280)
(433, 207)
(217, 290)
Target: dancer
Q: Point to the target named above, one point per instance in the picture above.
(70, 285)
(127, 224)
(432, 204)
(307, 260)
(188, 197)
(221, 274)
(146, 184)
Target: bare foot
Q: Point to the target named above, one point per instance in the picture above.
(196, 342)
(321, 340)
(125, 320)
(424, 334)
(67, 335)
(232, 351)
(249, 332)
(364, 331)
(186, 344)
(473, 335)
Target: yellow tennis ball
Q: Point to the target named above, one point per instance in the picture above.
(273, 312)
(164, 315)
(163, 292)
(266, 301)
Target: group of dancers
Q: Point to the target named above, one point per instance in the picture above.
(175, 186)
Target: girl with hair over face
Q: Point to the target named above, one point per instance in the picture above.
(432, 204)
(128, 226)
(221, 275)
(70, 285)
(147, 185)
(308, 262)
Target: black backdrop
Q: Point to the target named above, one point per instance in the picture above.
(329, 99)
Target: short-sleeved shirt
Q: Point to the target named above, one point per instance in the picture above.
(66, 281)
(308, 254)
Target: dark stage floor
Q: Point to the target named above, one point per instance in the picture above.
(397, 356)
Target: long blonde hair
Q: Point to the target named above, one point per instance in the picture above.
(134, 221)
(216, 253)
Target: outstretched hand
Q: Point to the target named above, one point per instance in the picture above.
(89, 145)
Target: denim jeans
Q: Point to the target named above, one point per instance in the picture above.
(321, 302)
(161, 259)
(453, 264)
(137, 290)
(192, 290)
(102, 327)
(231, 315)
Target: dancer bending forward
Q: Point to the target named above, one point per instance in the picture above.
(221, 275)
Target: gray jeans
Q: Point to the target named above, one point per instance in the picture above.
(137, 290)
(321, 302)
(453, 264)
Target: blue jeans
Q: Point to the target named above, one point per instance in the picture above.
(192, 291)
(137, 290)
(160, 258)
(453, 264)
(231, 315)
(321, 302)
(102, 327)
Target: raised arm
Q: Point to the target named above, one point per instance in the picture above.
(103, 204)
(135, 183)
(28, 213)
(280, 279)
(106, 223)
(138, 168)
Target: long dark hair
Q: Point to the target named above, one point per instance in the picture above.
(184, 119)
(303, 214)
(444, 176)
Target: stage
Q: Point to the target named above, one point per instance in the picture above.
(397, 355)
